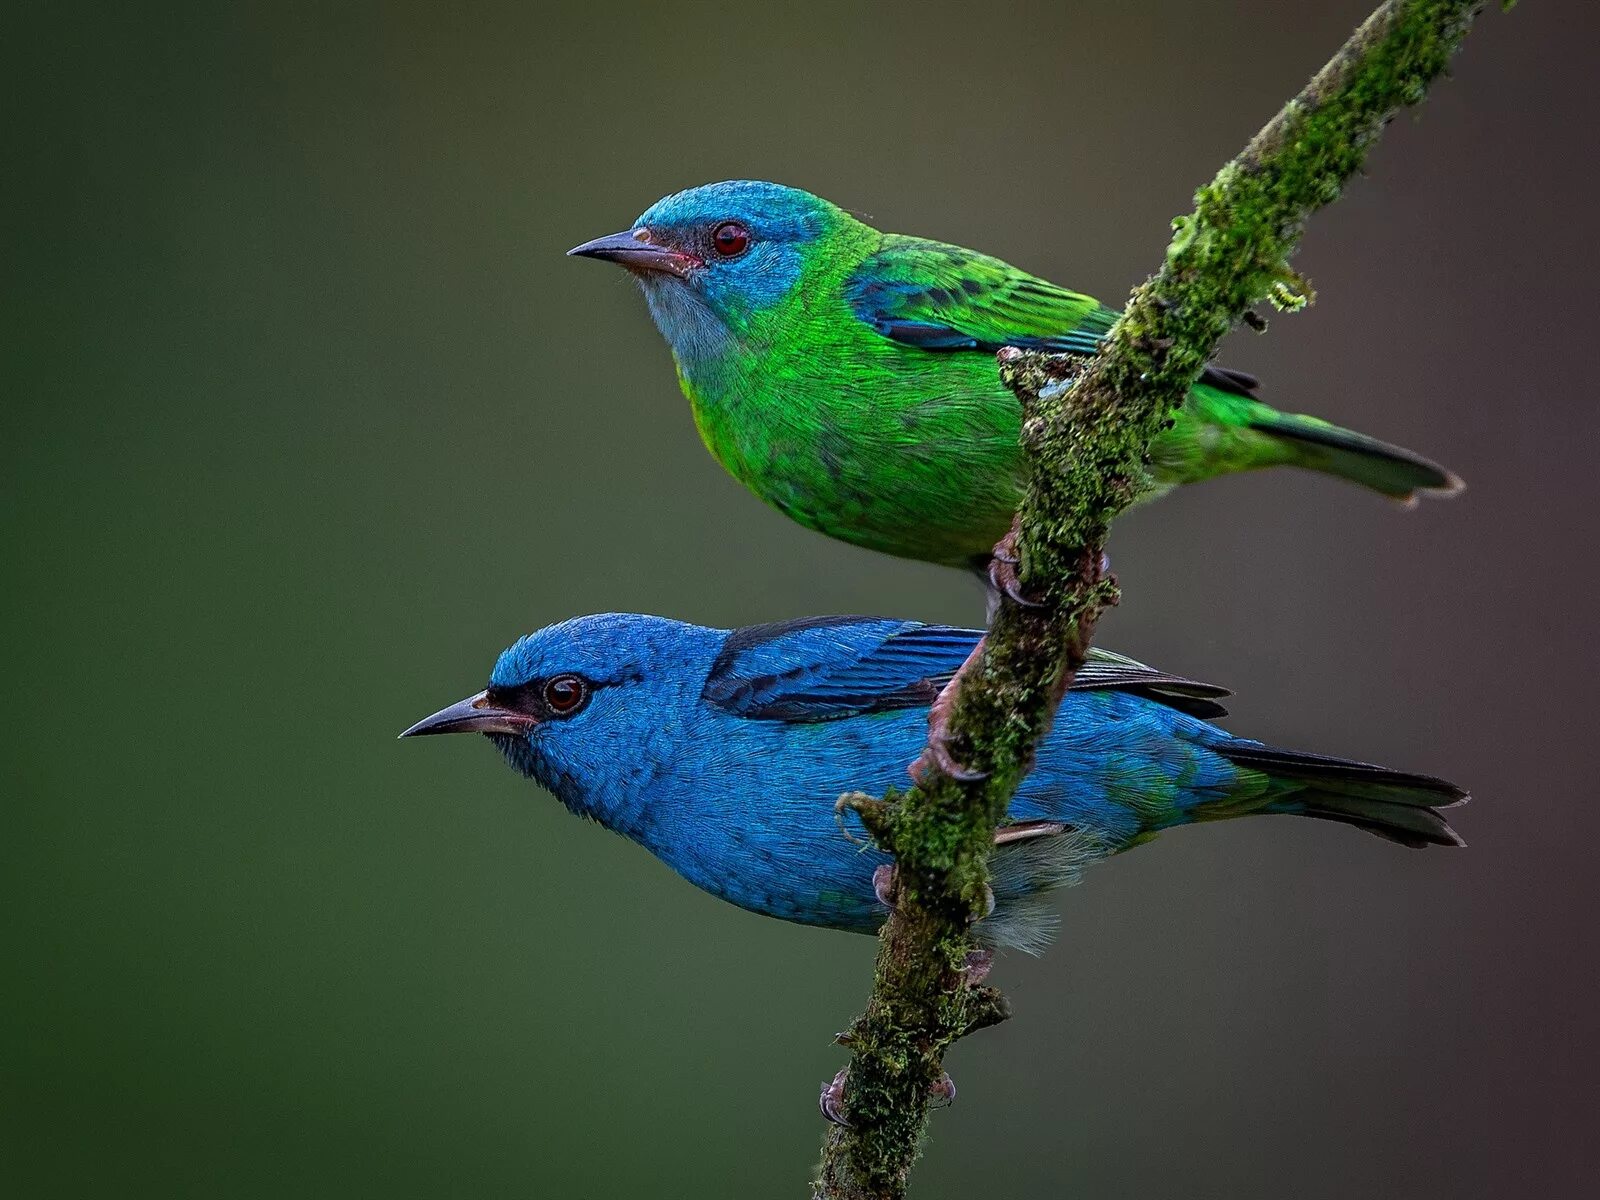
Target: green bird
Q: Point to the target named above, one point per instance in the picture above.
(847, 376)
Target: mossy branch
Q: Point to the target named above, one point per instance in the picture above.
(1087, 426)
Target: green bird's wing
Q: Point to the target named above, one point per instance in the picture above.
(940, 297)
(936, 296)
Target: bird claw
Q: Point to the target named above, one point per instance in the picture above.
(883, 885)
(1003, 579)
(831, 1102)
(1003, 564)
(979, 964)
(936, 756)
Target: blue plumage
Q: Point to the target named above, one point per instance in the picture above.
(723, 753)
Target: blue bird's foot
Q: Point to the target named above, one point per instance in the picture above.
(936, 754)
(979, 962)
(883, 881)
(831, 1102)
(884, 887)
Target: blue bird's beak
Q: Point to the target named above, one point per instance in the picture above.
(639, 251)
(475, 714)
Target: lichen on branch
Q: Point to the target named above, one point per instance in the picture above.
(1087, 426)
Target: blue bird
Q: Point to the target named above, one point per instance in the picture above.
(723, 753)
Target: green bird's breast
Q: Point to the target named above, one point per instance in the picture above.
(895, 450)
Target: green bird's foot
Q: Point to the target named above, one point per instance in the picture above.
(1003, 568)
(1003, 577)
(831, 1102)
(1003, 580)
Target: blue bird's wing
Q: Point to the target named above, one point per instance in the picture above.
(934, 296)
(826, 668)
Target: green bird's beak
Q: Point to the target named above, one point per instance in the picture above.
(636, 250)
(475, 714)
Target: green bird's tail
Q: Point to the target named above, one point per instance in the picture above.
(1224, 428)
(1396, 805)
(1321, 446)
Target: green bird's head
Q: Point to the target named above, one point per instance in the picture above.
(714, 258)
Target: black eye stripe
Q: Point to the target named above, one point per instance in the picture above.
(534, 698)
(524, 698)
(547, 698)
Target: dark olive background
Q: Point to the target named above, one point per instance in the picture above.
(306, 416)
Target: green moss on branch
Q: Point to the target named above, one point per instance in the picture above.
(1086, 429)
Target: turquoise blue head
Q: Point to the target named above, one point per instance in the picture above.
(586, 706)
(712, 257)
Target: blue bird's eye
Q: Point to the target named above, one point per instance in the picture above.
(730, 239)
(565, 694)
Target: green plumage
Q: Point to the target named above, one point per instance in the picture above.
(847, 376)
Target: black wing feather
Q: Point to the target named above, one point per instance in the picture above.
(827, 668)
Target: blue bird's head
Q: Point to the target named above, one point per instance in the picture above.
(711, 258)
(585, 707)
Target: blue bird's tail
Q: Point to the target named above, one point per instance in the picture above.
(1396, 805)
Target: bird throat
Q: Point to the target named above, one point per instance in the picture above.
(697, 335)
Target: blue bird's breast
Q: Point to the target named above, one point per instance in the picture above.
(761, 829)
(749, 812)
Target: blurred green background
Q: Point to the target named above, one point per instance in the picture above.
(306, 416)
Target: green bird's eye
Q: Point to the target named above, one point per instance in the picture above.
(565, 694)
(730, 239)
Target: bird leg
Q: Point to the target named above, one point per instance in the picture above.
(831, 1102)
(1003, 580)
(885, 886)
(1003, 569)
(979, 964)
(936, 754)
(883, 882)
(1002, 573)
